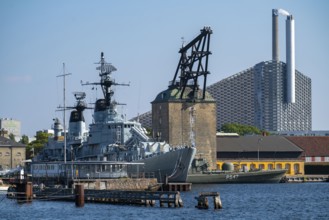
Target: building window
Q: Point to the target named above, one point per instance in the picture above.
(7, 154)
(18, 154)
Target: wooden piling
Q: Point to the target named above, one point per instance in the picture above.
(203, 200)
(29, 191)
(79, 195)
(24, 192)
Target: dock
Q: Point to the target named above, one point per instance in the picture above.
(145, 198)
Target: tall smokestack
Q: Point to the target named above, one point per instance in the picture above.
(275, 35)
(290, 58)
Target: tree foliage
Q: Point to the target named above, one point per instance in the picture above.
(24, 140)
(37, 145)
(12, 136)
(240, 129)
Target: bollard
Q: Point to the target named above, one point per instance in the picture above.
(79, 195)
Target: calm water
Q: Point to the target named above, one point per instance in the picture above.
(240, 201)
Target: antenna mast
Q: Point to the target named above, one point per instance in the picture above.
(64, 75)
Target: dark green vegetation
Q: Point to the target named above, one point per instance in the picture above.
(37, 145)
(241, 129)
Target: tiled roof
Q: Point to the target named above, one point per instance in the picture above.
(312, 146)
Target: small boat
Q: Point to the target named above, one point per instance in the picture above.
(257, 176)
(229, 175)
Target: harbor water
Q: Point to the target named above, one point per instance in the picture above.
(240, 201)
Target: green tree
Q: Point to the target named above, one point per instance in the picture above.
(12, 136)
(24, 140)
(37, 145)
(240, 129)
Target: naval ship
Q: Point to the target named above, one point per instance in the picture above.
(199, 173)
(113, 140)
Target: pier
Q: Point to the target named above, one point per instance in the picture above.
(81, 195)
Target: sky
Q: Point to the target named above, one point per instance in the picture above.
(142, 39)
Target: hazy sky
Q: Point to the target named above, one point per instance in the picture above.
(142, 39)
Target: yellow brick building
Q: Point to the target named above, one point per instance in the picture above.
(294, 167)
(260, 152)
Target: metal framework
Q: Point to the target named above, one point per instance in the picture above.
(195, 65)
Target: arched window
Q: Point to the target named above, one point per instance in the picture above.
(278, 166)
(270, 166)
(288, 167)
(296, 168)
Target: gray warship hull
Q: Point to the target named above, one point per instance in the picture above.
(262, 176)
(173, 165)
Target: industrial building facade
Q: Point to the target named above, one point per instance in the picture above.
(257, 96)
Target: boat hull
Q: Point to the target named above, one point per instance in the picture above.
(268, 176)
(174, 164)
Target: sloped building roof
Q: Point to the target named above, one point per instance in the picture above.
(255, 142)
(6, 142)
(312, 146)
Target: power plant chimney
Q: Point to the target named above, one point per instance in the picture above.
(290, 49)
(275, 35)
(290, 58)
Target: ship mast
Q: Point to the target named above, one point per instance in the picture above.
(64, 108)
(107, 82)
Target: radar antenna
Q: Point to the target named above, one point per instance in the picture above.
(106, 81)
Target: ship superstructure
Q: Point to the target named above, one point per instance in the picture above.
(113, 138)
(75, 137)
